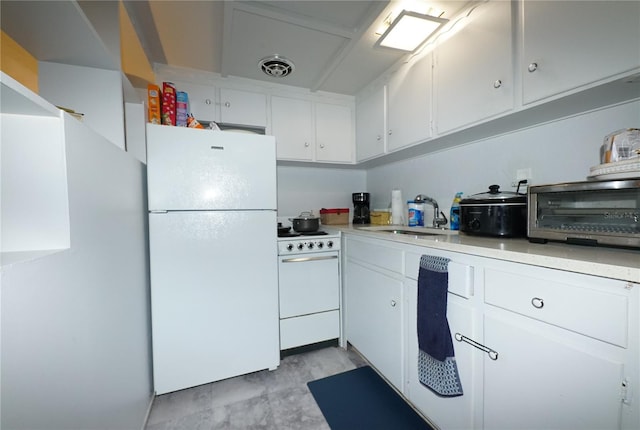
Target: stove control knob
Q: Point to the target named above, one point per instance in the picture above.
(330, 244)
(320, 245)
(310, 245)
(290, 247)
(300, 246)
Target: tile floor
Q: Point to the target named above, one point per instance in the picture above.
(278, 399)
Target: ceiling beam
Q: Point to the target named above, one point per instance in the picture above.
(372, 14)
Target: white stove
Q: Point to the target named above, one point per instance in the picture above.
(309, 285)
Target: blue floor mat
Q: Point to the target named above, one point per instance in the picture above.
(361, 399)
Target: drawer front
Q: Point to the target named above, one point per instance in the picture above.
(309, 329)
(375, 255)
(460, 275)
(591, 312)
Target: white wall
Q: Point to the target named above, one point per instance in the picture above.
(559, 151)
(76, 324)
(313, 188)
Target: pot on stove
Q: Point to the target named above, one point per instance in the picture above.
(494, 213)
(306, 222)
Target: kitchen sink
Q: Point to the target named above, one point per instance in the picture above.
(412, 233)
(409, 231)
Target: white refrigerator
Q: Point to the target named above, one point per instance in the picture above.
(213, 250)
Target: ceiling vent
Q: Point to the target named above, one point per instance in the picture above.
(276, 66)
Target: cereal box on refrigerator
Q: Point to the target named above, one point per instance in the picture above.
(168, 103)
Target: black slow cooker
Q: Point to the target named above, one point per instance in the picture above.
(494, 213)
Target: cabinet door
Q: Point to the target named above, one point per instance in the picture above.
(409, 104)
(243, 107)
(201, 100)
(374, 319)
(445, 412)
(370, 125)
(543, 379)
(568, 44)
(470, 88)
(334, 133)
(292, 127)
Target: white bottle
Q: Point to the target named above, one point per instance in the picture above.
(397, 208)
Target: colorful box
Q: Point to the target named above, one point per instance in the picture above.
(168, 103)
(153, 101)
(182, 108)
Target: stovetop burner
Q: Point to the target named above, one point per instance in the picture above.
(296, 234)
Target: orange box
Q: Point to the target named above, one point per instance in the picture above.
(153, 100)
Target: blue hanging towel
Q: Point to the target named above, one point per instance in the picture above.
(437, 366)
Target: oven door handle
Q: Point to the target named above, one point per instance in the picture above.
(305, 259)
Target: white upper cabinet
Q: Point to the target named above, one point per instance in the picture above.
(473, 74)
(334, 133)
(569, 44)
(202, 100)
(370, 125)
(312, 131)
(243, 107)
(409, 104)
(291, 125)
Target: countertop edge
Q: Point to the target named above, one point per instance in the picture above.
(614, 263)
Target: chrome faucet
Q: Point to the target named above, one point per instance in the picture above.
(438, 217)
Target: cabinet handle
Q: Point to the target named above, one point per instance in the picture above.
(497, 83)
(207, 101)
(393, 303)
(537, 302)
(227, 104)
(532, 67)
(492, 354)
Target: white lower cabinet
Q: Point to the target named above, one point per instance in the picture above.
(373, 309)
(548, 379)
(536, 348)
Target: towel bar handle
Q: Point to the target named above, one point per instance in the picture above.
(492, 354)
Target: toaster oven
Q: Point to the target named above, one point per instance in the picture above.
(586, 213)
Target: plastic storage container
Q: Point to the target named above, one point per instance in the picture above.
(454, 219)
(334, 216)
(415, 214)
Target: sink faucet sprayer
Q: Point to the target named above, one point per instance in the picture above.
(439, 218)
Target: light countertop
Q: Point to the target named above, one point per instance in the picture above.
(623, 264)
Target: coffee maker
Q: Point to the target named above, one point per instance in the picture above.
(361, 208)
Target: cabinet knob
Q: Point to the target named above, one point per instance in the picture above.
(322, 146)
(378, 137)
(227, 104)
(393, 303)
(532, 67)
(537, 302)
(390, 132)
(207, 101)
(497, 83)
(306, 144)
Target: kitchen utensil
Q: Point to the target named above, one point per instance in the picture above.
(494, 213)
(283, 230)
(306, 222)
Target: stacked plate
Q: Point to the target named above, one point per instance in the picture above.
(625, 169)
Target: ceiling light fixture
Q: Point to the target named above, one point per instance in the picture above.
(410, 30)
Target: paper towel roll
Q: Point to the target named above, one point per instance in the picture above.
(397, 208)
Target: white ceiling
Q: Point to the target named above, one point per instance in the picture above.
(330, 42)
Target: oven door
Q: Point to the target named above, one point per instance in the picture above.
(309, 283)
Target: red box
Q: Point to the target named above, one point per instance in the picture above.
(334, 216)
(168, 103)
